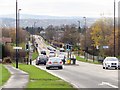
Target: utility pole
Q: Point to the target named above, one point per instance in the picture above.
(18, 23)
(16, 34)
(79, 26)
(119, 28)
(114, 30)
(34, 27)
(79, 30)
(85, 37)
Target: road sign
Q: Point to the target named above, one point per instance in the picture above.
(17, 47)
(68, 49)
(105, 46)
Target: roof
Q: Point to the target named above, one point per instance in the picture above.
(5, 40)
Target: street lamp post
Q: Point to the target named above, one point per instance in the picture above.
(79, 26)
(16, 33)
(79, 30)
(18, 22)
(85, 36)
(34, 27)
(114, 30)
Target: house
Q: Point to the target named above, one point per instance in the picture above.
(5, 40)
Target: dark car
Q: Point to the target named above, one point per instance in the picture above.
(43, 52)
(42, 59)
(119, 65)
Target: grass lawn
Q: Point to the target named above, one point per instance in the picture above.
(88, 61)
(34, 55)
(4, 74)
(41, 79)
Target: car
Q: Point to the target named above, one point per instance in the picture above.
(42, 59)
(62, 57)
(62, 50)
(51, 48)
(52, 54)
(43, 52)
(119, 65)
(54, 62)
(110, 62)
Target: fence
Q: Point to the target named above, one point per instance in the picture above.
(89, 56)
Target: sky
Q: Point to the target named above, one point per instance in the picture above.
(91, 8)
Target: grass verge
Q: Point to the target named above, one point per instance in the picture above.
(34, 55)
(41, 79)
(4, 74)
(88, 61)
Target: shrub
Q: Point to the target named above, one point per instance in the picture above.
(7, 60)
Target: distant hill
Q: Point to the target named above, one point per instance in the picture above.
(43, 20)
(28, 16)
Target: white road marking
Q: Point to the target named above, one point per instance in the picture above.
(106, 83)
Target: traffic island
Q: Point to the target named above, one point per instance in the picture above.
(70, 61)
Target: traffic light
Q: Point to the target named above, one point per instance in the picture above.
(67, 46)
(27, 47)
(36, 45)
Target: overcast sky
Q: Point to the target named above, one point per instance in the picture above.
(60, 7)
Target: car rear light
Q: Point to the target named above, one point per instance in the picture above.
(61, 62)
(50, 62)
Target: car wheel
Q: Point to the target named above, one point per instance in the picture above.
(44, 63)
(47, 67)
(103, 67)
(37, 64)
(106, 67)
(61, 67)
(116, 68)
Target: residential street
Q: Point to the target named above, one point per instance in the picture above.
(60, 44)
(85, 75)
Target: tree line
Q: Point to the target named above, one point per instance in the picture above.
(90, 39)
(7, 48)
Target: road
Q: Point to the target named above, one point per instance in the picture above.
(85, 75)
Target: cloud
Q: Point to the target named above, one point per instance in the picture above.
(59, 7)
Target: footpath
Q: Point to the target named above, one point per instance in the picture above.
(17, 81)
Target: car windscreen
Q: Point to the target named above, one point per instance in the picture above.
(43, 52)
(54, 59)
(62, 50)
(111, 59)
(42, 59)
(51, 52)
(61, 56)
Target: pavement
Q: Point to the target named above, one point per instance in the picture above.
(18, 79)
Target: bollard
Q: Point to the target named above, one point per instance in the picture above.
(30, 61)
(27, 61)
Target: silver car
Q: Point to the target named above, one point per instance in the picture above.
(54, 62)
(52, 54)
(110, 62)
(42, 59)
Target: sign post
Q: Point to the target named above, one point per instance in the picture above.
(105, 46)
(17, 48)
